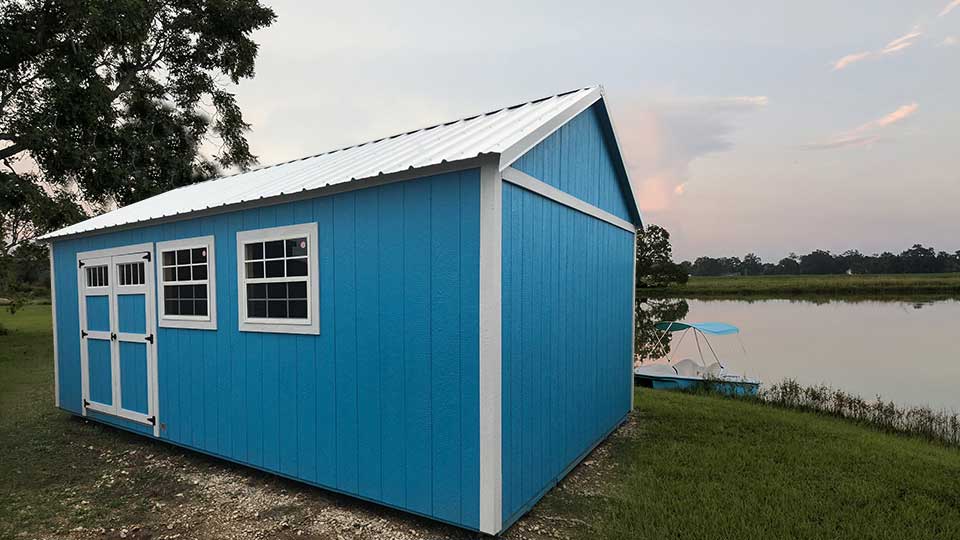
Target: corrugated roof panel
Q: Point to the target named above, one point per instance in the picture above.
(490, 133)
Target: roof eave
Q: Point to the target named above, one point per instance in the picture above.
(327, 190)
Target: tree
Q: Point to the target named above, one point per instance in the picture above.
(655, 266)
(819, 262)
(789, 265)
(650, 343)
(104, 102)
(751, 265)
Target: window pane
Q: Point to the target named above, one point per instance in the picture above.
(256, 290)
(296, 267)
(296, 247)
(277, 290)
(200, 271)
(274, 249)
(200, 307)
(169, 274)
(171, 292)
(254, 270)
(169, 258)
(171, 307)
(199, 291)
(297, 289)
(183, 256)
(256, 308)
(199, 255)
(186, 291)
(126, 276)
(254, 251)
(183, 273)
(277, 309)
(275, 268)
(298, 309)
(186, 307)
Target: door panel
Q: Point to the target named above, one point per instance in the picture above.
(98, 313)
(132, 313)
(133, 377)
(101, 371)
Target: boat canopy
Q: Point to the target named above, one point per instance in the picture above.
(715, 328)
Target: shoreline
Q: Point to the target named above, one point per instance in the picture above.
(908, 287)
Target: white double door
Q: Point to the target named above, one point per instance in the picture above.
(118, 338)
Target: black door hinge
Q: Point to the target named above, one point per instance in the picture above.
(146, 256)
(83, 334)
(86, 404)
(152, 420)
(79, 264)
(149, 338)
(113, 337)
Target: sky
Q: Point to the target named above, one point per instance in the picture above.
(761, 127)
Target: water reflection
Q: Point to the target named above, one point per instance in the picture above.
(907, 351)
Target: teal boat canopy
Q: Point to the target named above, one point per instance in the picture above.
(715, 328)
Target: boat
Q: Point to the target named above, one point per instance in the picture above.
(688, 373)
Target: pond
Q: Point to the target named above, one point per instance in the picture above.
(907, 352)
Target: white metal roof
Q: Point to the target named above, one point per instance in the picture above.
(508, 132)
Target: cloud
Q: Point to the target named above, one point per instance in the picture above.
(901, 113)
(949, 7)
(850, 59)
(866, 134)
(950, 41)
(899, 44)
(902, 42)
(661, 140)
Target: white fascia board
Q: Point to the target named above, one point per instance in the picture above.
(491, 469)
(524, 180)
(616, 143)
(535, 137)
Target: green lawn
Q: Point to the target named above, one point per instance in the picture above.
(709, 467)
(869, 285)
(685, 466)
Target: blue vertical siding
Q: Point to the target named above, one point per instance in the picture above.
(133, 376)
(567, 327)
(580, 159)
(384, 402)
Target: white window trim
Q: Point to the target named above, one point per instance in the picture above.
(310, 325)
(197, 322)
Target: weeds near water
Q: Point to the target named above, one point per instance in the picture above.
(943, 426)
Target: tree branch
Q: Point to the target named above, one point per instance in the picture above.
(11, 151)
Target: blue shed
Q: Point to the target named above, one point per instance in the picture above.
(439, 321)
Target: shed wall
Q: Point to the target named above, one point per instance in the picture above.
(384, 403)
(567, 331)
(579, 159)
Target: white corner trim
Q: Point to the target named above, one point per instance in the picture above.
(535, 137)
(491, 476)
(209, 322)
(53, 310)
(530, 183)
(311, 325)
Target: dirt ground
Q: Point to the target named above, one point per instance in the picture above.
(198, 497)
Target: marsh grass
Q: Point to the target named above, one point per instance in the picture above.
(934, 425)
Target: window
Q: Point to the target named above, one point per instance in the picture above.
(187, 283)
(98, 276)
(278, 281)
(130, 273)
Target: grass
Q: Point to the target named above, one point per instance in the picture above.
(880, 285)
(686, 466)
(708, 467)
(58, 472)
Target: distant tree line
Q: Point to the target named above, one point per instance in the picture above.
(916, 260)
